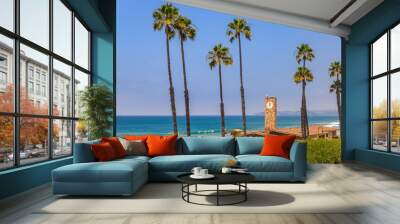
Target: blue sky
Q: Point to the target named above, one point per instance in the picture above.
(268, 60)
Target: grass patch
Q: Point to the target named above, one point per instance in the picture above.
(323, 150)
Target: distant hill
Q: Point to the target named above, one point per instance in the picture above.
(314, 113)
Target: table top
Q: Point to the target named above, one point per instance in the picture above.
(220, 178)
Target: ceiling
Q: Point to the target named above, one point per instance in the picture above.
(327, 16)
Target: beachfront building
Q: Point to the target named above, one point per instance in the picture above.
(271, 124)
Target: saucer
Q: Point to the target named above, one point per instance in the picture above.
(208, 176)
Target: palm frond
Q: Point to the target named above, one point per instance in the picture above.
(304, 53)
(219, 55)
(164, 18)
(238, 27)
(335, 69)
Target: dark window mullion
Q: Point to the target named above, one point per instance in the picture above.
(371, 137)
(16, 84)
(50, 77)
(389, 101)
(73, 82)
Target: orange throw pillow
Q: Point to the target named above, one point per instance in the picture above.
(161, 145)
(277, 145)
(103, 152)
(136, 137)
(116, 145)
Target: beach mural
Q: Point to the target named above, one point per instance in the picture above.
(190, 71)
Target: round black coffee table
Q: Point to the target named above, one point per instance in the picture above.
(238, 179)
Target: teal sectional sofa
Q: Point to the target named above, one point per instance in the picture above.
(125, 176)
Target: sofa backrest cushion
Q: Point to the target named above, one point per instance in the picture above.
(249, 145)
(206, 145)
(83, 152)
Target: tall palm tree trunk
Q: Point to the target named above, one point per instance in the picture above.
(171, 89)
(302, 111)
(339, 103)
(305, 126)
(221, 102)
(339, 106)
(242, 88)
(186, 91)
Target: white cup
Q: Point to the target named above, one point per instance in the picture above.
(203, 172)
(196, 171)
(226, 170)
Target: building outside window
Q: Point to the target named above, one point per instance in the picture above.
(44, 91)
(385, 91)
(3, 61)
(34, 75)
(30, 72)
(44, 77)
(30, 87)
(3, 72)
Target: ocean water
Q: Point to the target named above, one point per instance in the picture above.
(206, 125)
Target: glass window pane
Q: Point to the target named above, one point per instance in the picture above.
(6, 74)
(7, 14)
(35, 21)
(6, 142)
(62, 29)
(81, 82)
(379, 135)
(379, 56)
(34, 96)
(62, 138)
(379, 98)
(81, 45)
(395, 94)
(81, 131)
(62, 89)
(395, 47)
(33, 140)
(395, 136)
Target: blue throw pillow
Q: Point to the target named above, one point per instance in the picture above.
(208, 145)
(249, 145)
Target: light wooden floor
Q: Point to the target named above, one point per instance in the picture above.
(379, 189)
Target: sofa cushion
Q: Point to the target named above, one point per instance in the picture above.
(185, 163)
(207, 145)
(249, 145)
(257, 163)
(112, 171)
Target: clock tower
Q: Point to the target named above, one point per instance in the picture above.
(270, 113)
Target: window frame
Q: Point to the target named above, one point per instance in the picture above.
(16, 114)
(388, 74)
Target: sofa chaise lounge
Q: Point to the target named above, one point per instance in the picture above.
(125, 176)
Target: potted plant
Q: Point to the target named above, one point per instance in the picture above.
(96, 103)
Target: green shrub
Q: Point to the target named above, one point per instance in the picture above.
(323, 150)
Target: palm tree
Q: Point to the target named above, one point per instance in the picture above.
(304, 53)
(164, 20)
(335, 71)
(235, 30)
(220, 55)
(186, 30)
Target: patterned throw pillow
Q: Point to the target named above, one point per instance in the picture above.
(134, 147)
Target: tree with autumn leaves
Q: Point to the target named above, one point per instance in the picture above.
(34, 131)
(379, 128)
